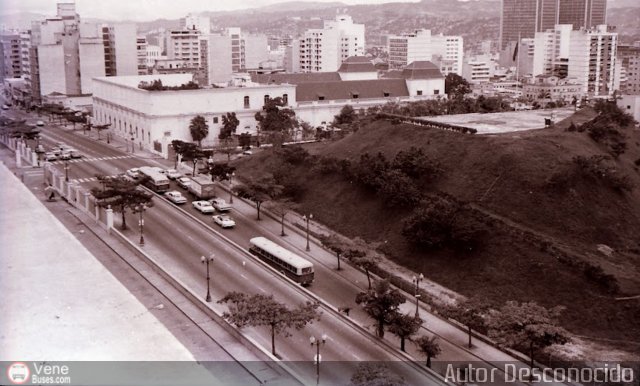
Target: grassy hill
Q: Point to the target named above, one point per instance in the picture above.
(546, 218)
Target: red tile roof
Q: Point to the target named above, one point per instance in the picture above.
(375, 88)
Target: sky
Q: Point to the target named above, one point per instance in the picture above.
(142, 10)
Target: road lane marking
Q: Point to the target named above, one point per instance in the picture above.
(244, 277)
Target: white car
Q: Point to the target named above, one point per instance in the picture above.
(183, 182)
(203, 206)
(133, 173)
(65, 155)
(220, 204)
(173, 174)
(50, 157)
(224, 221)
(39, 123)
(175, 197)
(247, 152)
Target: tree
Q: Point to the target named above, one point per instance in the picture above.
(469, 312)
(414, 163)
(381, 304)
(347, 116)
(179, 147)
(359, 256)
(429, 347)
(280, 208)
(199, 129)
(375, 374)
(336, 244)
(244, 140)
(229, 125)
(527, 327)
(275, 119)
(220, 171)
(259, 190)
(121, 194)
(100, 128)
(262, 310)
(192, 153)
(398, 190)
(456, 86)
(404, 326)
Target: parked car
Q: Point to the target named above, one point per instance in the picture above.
(175, 197)
(39, 123)
(134, 173)
(220, 204)
(50, 157)
(203, 206)
(224, 221)
(173, 174)
(183, 182)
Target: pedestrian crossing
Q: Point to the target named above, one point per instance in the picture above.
(90, 179)
(89, 159)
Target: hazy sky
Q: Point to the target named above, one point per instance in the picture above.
(148, 9)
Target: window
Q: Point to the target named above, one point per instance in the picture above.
(246, 102)
(386, 94)
(320, 97)
(215, 119)
(436, 92)
(266, 99)
(355, 95)
(285, 99)
(419, 92)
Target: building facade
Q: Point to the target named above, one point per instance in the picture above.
(629, 59)
(592, 60)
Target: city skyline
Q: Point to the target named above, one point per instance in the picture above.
(146, 10)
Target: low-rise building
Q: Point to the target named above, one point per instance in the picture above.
(554, 88)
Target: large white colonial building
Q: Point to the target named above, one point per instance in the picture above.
(154, 118)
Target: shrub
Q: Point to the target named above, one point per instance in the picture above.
(369, 170)
(605, 280)
(414, 163)
(295, 155)
(398, 190)
(443, 223)
(595, 167)
(572, 127)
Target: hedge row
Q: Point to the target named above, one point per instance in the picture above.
(427, 123)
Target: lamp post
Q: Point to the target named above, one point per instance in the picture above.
(307, 219)
(230, 176)
(141, 208)
(133, 144)
(207, 260)
(416, 280)
(318, 343)
(66, 170)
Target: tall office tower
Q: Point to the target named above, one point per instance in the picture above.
(324, 49)
(407, 48)
(523, 18)
(582, 13)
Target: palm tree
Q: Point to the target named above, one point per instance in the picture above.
(199, 129)
(429, 347)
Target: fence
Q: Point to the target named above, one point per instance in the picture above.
(427, 123)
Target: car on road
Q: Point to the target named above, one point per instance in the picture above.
(220, 204)
(40, 149)
(5, 107)
(247, 152)
(134, 173)
(74, 153)
(65, 155)
(224, 221)
(39, 123)
(203, 206)
(50, 157)
(183, 182)
(175, 197)
(173, 174)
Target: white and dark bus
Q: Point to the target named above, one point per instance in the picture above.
(293, 266)
(156, 181)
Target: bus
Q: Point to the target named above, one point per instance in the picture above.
(291, 265)
(155, 180)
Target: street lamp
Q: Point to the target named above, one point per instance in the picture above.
(318, 343)
(230, 176)
(66, 170)
(307, 219)
(141, 208)
(416, 280)
(133, 144)
(207, 260)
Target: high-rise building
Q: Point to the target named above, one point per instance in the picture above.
(523, 18)
(141, 48)
(592, 60)
(324, 49)
(629, 59)
(445, 51)
(582, 13)
(197, 22)
(11, 64)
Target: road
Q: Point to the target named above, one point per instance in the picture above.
(182, 241)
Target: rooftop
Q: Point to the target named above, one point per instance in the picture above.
(351, 89)
(357, 64)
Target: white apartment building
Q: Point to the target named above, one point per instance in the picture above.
(478, 69)
(586, 55)
(11, 66)
(592, 60)
(153, 53)
(197, 22)
(421, 45)
(184, 44)
(324, 49)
